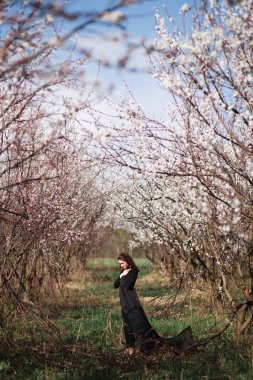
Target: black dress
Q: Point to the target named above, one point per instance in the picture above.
(136, 324)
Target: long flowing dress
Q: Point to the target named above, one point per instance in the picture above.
(136, 323)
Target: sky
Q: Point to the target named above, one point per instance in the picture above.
(139, 26)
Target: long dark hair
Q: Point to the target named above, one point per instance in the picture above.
(126, 257)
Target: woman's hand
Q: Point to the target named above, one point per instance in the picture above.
(124, 272)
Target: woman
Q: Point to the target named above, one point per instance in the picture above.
(136, 324)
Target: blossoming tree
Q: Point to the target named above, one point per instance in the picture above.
(52, 203)
(193, 172)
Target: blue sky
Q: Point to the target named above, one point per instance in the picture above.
(139, 24)
(140, 17)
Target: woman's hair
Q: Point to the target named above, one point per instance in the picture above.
(126, 257)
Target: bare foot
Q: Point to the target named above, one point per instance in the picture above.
(129, 350)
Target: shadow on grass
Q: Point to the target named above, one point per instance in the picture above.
(81, 360)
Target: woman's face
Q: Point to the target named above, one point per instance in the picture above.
(123, 264)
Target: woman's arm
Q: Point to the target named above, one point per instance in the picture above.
(130, 279)
(116, 283)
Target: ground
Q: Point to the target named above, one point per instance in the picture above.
(85, 340)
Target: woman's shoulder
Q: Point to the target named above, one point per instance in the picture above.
(133, 271)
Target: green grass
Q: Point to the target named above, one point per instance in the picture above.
(87, 345)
